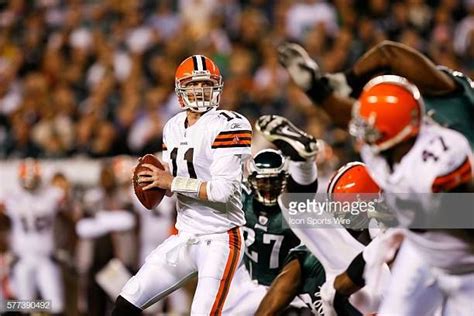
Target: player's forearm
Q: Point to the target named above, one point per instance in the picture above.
(282, 291)
(345, 285)
(221, 190)
(213, 190)
(339, 109)
(275, 301)
(226, 175)
(400, 60)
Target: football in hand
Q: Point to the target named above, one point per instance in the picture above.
(152, 197)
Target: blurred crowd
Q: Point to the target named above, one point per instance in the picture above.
(96, 78)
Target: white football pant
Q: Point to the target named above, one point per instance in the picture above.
(39, 273)
(213, 257)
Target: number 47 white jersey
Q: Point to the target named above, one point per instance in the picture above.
(440, 160)
(212, 150)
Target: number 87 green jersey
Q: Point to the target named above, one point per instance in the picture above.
(267, 243)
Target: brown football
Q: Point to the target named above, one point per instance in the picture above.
(152, 197)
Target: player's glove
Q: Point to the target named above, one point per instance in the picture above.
(304, 71)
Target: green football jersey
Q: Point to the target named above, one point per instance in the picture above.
(455, 110)
(312, 278)
(267, 243)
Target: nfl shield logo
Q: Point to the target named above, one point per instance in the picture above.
(263, 220)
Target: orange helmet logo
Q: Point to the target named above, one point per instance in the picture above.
(352, 178)
(198, 84)
(389, 111)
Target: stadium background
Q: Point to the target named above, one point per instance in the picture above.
(82, 82)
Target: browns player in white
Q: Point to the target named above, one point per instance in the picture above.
(154, 226)
(32, 208)
(406, 153)
(204, 149)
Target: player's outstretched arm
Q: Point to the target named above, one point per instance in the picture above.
(282, 290)
(306, 74)
(331, 91)
(402, 60)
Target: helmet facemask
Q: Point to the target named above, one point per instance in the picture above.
(268, 182)
(267, 189)
(363, 130)
(199, 98)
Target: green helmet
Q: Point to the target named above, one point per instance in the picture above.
(268, 173)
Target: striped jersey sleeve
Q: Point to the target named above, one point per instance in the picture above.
(460, 175)
(235, 138)
(234, 134)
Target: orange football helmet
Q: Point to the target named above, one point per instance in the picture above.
(198, 84)
(29, 174)
(389, 111)
(352, 178)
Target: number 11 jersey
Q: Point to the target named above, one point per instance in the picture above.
(213, 148)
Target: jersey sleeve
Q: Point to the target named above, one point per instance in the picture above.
(445, 160)
(464, 83)
(230, 148)
(454, 168)
(233, 137)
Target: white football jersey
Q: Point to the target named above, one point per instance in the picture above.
(437, 156)
(32, 215)
(440, 160)
(202, 151)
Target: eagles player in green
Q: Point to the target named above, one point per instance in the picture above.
(448, 95)
(302, 276)
(268, 240)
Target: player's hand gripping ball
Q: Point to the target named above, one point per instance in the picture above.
(152, 197)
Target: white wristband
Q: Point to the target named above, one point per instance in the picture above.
(186, 185)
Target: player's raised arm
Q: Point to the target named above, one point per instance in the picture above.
(307, 75)
(404, 61)
(331, 91)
